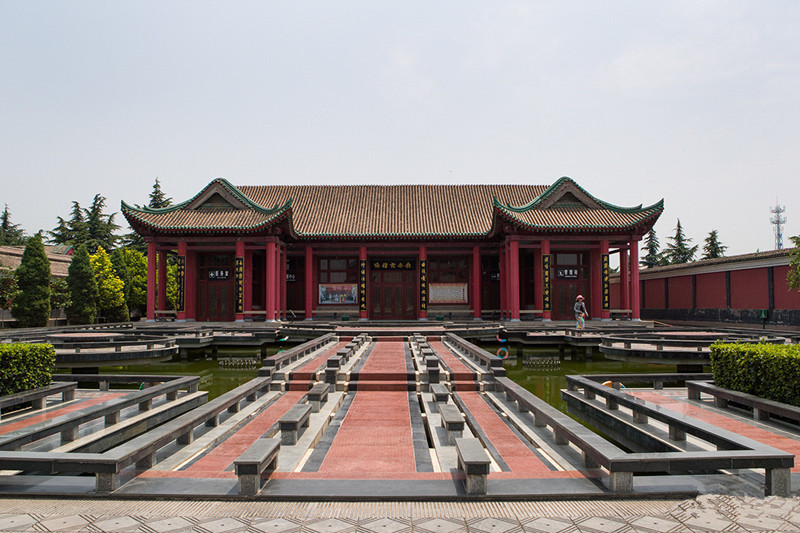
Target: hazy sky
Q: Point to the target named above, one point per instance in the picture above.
(691, 101)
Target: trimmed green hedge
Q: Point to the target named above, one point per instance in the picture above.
(25, 366)
(771, 371)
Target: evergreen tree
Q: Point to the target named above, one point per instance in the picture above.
(158, 200)
(100, 227)
(82, 289)
(8, 289)
(32, 301)
(793, 275)
(59, 294)
(72, 232)
(111, 290)
(131, 267)
(653, 257)
(712, 247)
(679, 251)
(10, 234)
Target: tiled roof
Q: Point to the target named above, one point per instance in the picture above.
(782, 256)
(321, 211)
(11, 257)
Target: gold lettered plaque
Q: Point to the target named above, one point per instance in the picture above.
(239, 276)
(606, 281)
(546, 303)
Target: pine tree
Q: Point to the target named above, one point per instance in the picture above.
(653, 257)
(712, 247)
(158, 200)
(82, 289)
(100, 227)
(32, 302)
(72, 232)
(10, 234)
(111, 290)
(679, 251)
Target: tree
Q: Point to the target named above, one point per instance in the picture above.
(713, 248)
(90, 226)
(72, 232)
(793, 275)
(59, 294)
(82, 289)
(158, 200)
(653, 257)
(110, 289)
(32, 301)
(10, 234)
(131, 267)
(8, 289)
(679, 251)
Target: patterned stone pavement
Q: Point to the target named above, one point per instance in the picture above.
(704, 514)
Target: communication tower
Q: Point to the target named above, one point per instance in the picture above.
(778, 220)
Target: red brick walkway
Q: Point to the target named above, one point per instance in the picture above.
(59, 411)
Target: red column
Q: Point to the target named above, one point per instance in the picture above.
(271, 274)
(605, 283)
(624, 280)
(309, 283)
(151, 281)
(248, 282)
(191, 284)
(546, 285)
(635, 301)
(503, 281)
(162, 280)
(476, 282)
(362, 282)
(239, 306)
(181, 311)
(423, 283)
(513, 260)
(283, 263)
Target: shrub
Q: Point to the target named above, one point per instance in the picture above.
(25, 366)
(771, 371)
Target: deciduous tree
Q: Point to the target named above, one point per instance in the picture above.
(793, 276)
(131, 267)
(111, 290)
(32, 301)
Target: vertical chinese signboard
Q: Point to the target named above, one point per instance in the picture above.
(606, 282)
(238, 269)
(181, 281)
(423, 285)
(362, 285)
(546, 303)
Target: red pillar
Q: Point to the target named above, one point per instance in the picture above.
(605, 283)
(624, 280)
(362, 283)
(635, 301)
(283, 263)
(546, 288)
(181, 310)
(239, 280)
(151, 281)
(503, 282)
(309, 283)
(271, 274)
(162, 280)
(248, 282)
(513, 259)
(423, 283)
(191, 284)
(476, 282)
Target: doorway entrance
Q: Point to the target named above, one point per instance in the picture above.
(393, 295)
(215, 288)
(570, 278)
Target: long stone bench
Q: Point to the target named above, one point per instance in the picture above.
(318, 395)
(292, 423)
(260, 457)
(474, 462)
(762, 407)
(452, 422)
(37, 396)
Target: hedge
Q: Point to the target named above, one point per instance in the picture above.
(25, 366)
(770, 371)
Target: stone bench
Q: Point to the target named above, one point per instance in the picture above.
(762, 408)
(318, 395)
(37, 396)
(260, 457)
(452, 422)
(292, 423)
(474, 462)
(440, 393)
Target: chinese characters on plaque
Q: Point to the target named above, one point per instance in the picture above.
(181, 281)
(423, 285)
(238, 268)
(606, 283)
(546, 282)
(362, 285)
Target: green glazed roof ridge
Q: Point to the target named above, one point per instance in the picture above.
(644, 215)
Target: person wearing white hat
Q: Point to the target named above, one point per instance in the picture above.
(580, 312)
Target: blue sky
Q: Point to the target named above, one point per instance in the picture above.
(693, 102)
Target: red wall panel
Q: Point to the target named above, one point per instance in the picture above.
(711, 291)
(784, 298)
(680, 292)
(615, 296)
(749, 289)
(654, 294)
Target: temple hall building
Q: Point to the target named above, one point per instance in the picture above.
(392, 252)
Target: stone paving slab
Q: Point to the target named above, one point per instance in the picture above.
(705, 513)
